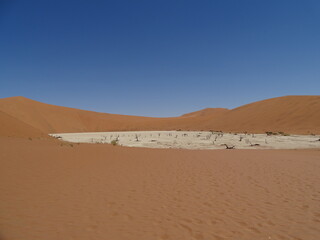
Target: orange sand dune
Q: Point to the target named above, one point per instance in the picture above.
(98, 191)
(57, 190)
(9, 126)
(206, 112)
(52, 119)
(292, 114)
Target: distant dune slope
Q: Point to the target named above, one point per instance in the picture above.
(52, 119)
(49, 118)
(206, 112)
(293, 114)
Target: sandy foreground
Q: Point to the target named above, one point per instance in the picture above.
(56, 190)
(194, 139)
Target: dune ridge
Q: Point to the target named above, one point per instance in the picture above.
(291, 114)
(205, 112)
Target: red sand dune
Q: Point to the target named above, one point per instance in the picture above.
(98, 191)
(11, 127)
(206, 112)
(52, 119)
(57, 190)
(292, 114)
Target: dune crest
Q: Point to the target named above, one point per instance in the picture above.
(205, 112)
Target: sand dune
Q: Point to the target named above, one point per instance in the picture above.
(97, 191)
(292, 114)
(206, 112)
(53, 119)
(58, 190)
(11, 127)
(50, 118)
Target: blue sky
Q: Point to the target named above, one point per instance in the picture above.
(158, 57)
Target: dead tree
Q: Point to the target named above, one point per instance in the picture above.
(228, 147)
(254, 144)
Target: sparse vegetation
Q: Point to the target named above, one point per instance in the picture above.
(114, 142)
(67, 144)
(197, 139)
(271, 133)
(277, 133)
(283, 134)
(254, 145)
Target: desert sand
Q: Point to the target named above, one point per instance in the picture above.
(194, 140)
(55, 190)
(291, 114)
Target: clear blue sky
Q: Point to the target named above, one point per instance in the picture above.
(158, 57)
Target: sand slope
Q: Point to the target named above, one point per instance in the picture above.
(9, 126)
(206, 112)
(51, 119)
(99, 191)
(292, 114)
